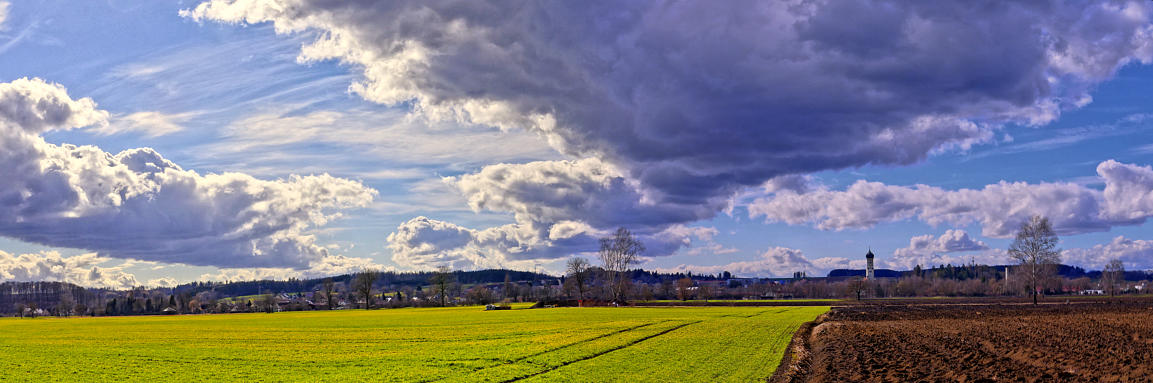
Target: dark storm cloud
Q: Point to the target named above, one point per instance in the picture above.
(697, 99)
(693, 101)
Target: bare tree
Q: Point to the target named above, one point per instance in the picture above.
(362, 283)
(508, 289)
(704, 292)
(618, 252)
(856, 286)
(1035, 248)
(1113, 274)
(329, 291)
(578, 273)
(683, 286)
(480, 295)
(647, 292)
(65, 306)
(441, 282)
(267, 303)
(667, 289)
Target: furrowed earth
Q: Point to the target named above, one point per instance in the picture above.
(462, 344)
(980, 342)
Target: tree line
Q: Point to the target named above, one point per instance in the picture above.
(612, 281)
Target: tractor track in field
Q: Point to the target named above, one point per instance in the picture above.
(555, 349)
(602, 336)
(621, 347)
(759, 313)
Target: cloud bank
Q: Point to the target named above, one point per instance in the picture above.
(137, 205)
(1136, 254)
(327, 266)
(1000, 208)
(929, 251)
(778, 262)
(560, 208)
(82, 270)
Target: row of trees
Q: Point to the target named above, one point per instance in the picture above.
(612, 281)
(582, 282)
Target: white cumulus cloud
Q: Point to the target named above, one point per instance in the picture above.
(138, 205)
(929, 250)
(327, 266)
(1136, 254)
(1000, 208)
(560, 208)
(83, 270)
(776, 262)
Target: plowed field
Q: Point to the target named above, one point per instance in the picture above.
(984, 343)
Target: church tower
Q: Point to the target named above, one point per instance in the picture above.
(869, 267)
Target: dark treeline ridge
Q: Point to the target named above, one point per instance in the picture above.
(412, 279)
(51, 298)
(415, 279)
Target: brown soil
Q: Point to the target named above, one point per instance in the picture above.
(984, 342)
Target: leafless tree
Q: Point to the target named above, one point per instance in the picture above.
(856, 286)
(618, 252)
(1113, 275)
(667, 289)
(704, 292)
(647, 292)
(480, 295)
(362, 283)
(66, 304)
(441, 283)
(329, 292)
(683, 286)
(266, 303)
(578, 273)
(1035, 248)
(508, 289)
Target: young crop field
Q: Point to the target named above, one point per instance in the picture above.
(821, 300)
(464, 344)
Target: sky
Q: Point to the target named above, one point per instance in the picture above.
(163, 142)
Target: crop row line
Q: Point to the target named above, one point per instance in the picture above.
(606, 335)
(623, 346)
(555, 349)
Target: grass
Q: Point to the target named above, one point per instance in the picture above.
(464, 344)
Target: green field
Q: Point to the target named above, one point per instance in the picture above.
(464, 344)
(746, 300)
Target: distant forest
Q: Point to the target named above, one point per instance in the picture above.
(413, 279)
(405, 289)
(52, 296)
